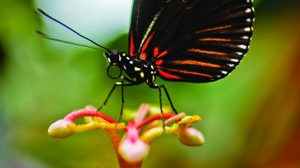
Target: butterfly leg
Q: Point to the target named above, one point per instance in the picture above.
(156, 86)
(122, 98)
(122, 84)
(159, 87)
(161, 110)
(110, 93)
(169, 98)
(160, 101)
(108, 96)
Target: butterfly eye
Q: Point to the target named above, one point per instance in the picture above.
(113, 71)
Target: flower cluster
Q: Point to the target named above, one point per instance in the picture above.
(133, 146)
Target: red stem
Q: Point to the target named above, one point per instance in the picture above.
(82, 113)
(154, 117)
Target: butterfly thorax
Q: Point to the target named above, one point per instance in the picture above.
(136, 69)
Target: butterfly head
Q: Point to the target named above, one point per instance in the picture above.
(113, 57)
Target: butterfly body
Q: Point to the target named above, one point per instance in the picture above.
(138, 70)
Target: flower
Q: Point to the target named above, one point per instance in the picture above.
(191, 137)
(133, 145)
(61, 129)
(132, 148)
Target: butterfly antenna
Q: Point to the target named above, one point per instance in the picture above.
(44, 35)
(40, 11)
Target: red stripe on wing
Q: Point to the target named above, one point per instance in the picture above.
(159, 62)
(167, 75)
(162, 54)
(156, 51)
(195, 63)
(131, 44)
(185, 72)
(145, 45)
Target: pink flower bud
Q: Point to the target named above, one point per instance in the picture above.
(133, 152)
(191, 137)
(132, 148)
(61, 129)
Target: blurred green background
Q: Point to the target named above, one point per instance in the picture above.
(250, 119)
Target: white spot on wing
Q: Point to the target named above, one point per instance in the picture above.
(244, 47)
(248, 10)
(231, 65)
(245, 37)
(239, 53)
(224, 72)
(247, 29)
(234, 60)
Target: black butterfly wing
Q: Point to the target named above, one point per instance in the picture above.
(143, 12)
(144, 15)
(195, 40)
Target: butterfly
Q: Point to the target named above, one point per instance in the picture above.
(180, 40)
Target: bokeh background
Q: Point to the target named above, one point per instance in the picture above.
(250, 119)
